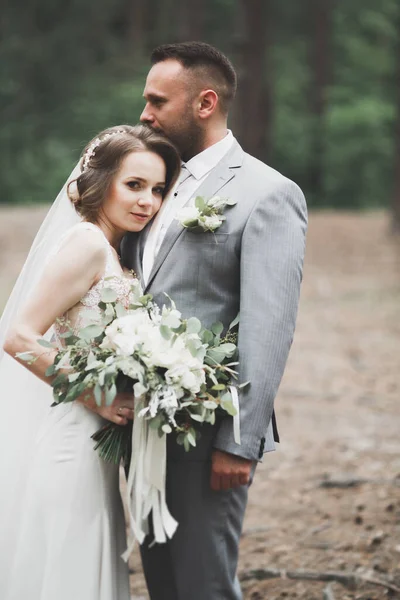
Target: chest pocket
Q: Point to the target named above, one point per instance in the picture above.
(206, 237)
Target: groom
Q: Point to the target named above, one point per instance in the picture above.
(252, 264)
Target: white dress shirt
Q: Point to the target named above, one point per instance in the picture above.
(193, 173)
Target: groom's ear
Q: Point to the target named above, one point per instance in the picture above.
(207, 103)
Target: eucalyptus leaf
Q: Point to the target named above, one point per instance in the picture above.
(211, 418)
(190, 223)
(50, 370)
(110, 394)
(90, 332)
(186, 443)
(207, 336)
(200, 203)
(97, 394)
(191, 437)
(94, 365)
(215, 355)
(227, 348)
(108, 295)
(73, 377)
(156, 421)
(166, 332)
(218, 387)
(194, 346)
(74, 392)
(243, 385)
(195, 417)
(120, 310)
(45, 343)
(66, 335)
(193, 325)
(229, 407)
(226, 397)
(145, 299)
(210, 404)
(59, 380)
(26, 356)
(235, 321)
(217, 328)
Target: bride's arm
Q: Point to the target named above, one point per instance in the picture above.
(76, 267)
(69, 275)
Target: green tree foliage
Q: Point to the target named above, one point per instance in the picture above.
(329, 86)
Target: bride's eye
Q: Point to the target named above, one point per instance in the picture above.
(133, 185)
(159, 191)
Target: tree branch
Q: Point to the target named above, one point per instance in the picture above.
(346, 578)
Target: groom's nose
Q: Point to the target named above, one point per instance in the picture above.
(146, 116)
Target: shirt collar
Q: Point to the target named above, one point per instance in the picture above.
(202, 163)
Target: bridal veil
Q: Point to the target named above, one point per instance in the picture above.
(24, 399)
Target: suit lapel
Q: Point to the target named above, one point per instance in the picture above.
(218, 178)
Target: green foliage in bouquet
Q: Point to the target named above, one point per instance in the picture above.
(179, 372)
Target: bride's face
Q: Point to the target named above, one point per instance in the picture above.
(136, 192)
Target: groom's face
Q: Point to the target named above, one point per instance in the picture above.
(171, 105)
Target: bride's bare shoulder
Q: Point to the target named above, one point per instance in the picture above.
(84, 243)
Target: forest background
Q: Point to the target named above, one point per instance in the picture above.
(319, 87)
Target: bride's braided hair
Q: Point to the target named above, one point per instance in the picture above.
(102, 158)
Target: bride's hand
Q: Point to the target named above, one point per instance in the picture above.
(119, 412)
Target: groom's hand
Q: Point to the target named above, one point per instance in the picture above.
(229, 471)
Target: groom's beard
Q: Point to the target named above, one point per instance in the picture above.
(188, 138)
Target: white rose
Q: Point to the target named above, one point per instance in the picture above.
(126, 333)
(186, 377)
(212, 222)
(188, 214)
(124, 344)
(216, 202)
(131, 368)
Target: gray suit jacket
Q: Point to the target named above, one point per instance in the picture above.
(252, 263)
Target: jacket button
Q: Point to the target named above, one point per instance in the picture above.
(262, 446)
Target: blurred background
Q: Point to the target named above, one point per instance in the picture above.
(319, 100)
(319, 93)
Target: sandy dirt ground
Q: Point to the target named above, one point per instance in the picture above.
(329, 499)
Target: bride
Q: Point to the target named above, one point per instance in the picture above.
(62, 526)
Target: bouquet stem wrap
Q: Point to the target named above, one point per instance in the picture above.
(147, 486)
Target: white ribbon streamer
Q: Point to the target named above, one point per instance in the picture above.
(146, 489)
(236, 418)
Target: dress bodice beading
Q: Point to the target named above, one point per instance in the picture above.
(119, 282)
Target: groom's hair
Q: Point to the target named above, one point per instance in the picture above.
(208, 65)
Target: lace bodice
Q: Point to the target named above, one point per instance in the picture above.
(113, 277)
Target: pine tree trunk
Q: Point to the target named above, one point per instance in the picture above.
(253, 110)
(321, 68)
(396, 187)
(191, 15)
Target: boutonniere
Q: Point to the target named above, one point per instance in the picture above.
(205, 215)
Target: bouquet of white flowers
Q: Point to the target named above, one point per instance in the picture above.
(179, 372)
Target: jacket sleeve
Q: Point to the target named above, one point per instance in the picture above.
(272, 253)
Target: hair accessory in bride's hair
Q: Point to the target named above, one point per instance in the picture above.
(91, 151)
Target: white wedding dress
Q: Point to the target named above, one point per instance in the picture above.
(72, 530)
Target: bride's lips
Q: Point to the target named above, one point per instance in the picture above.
(140, 216)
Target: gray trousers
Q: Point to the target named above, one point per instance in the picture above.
(200, 561)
